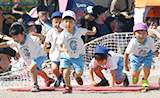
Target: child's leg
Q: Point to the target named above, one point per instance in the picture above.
(55, 68)
(135, 73)
(79, 73)
(66, 76)
(98, 72)
(32, 69)
(146, 72)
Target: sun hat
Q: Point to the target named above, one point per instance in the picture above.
(69, 13)
(140, 26)
(101, 49)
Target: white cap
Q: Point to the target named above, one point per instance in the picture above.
(69, 13)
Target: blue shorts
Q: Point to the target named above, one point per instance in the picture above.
(57, 62)
(78, 64)
(137, 61)
(39, 61)
(118, 71)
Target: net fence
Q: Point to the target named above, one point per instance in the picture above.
(116, 42)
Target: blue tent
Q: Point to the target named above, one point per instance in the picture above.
(79, 5)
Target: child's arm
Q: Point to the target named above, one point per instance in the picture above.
(113, 74)
(93, 32)
(42, 37)
(156, 53)
(125, 61)
(45, 45)
(3, 45)
(61, 49)
(154, 32)
(91, 76)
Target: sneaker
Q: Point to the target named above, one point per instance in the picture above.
(67, 90)
(103, 82)
(136, 79)
(58, 81)
(49, 81)
(145, 83)
(35, 88)
(78, 79)
(125, 82)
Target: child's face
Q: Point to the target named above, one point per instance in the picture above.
(101, 62)
(56, 22)
(69, 23)
(141, 35)
(33, 29)
(19, 38)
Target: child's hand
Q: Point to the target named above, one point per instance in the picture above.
(126, 68)
(93, 83)
(16, 57)
(94, 29)
(65, 50)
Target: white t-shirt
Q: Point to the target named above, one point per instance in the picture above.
(51, 37)
(111, 62)
(30, 49)
(73, 43)
(141, 50)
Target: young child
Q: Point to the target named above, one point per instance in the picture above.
(103, 59)
(141, 49)
(54, 54)
(30, 50)
(71, 47)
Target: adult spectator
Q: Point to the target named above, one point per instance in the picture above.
(84, 20)
(43, 20)
(124, 11)
(8, 20)
(99, 13)
(17, 10)
(111, 24)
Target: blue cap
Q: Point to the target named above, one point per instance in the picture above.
(101, 49)
(27, 19)
(57, 13)
(42, 8)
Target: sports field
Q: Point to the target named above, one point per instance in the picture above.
(85, 94)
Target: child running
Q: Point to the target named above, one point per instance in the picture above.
(103, 59)
(141, 49)
(71, 47)
(30, 50)
(54, 54)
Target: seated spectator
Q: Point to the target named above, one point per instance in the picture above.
(8, 20)
(99, 13)
(84, 20)
(17, 10)
(43, 20)
(152, 23)
(111, 24)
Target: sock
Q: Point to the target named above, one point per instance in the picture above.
(35, 83)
